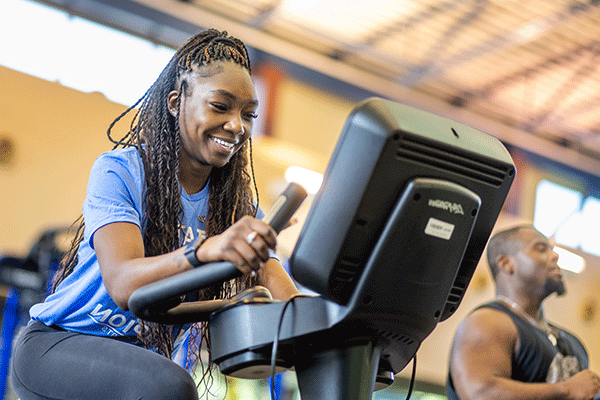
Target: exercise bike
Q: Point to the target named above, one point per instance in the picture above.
(390, 244)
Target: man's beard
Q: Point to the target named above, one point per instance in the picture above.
(554, 286)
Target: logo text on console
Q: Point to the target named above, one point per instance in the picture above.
(454, 208)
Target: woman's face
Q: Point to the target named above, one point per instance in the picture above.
(216, 114)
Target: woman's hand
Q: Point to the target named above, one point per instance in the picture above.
(246, 244)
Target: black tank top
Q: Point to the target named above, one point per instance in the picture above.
(538, 360)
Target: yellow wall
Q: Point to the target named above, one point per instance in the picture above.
(310, 117)
(57, 133)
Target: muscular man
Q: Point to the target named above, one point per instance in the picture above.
(506, 349)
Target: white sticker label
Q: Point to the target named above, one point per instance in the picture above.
(440, 229)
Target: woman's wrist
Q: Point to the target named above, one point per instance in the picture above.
(191, 251)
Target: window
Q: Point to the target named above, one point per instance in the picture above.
(589, 235)
(567, 216)
(50, 44)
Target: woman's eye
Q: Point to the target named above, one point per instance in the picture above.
(220, 107)
(251, 115)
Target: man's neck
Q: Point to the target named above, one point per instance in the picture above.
(525, 304)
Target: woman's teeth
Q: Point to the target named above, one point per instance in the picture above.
(223, 143)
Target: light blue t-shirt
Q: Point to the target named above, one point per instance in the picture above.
(114, 194)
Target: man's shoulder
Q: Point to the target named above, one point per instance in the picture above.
(492, 309)
(489, 321)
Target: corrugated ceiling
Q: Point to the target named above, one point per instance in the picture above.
(530, 66)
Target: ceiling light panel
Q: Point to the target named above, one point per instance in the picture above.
(347, 20)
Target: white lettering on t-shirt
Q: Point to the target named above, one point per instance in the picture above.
(116, 320)
(97, 312)
(189, 235)
(129, 325)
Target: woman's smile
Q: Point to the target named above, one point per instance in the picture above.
(225, 146)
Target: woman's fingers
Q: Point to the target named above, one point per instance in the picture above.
(246, 244)
(251, 258)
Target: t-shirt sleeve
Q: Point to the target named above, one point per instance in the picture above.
(114, 193)
(259, 213)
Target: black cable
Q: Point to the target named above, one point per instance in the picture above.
(275, 343)
(274, 356)
(412, 378)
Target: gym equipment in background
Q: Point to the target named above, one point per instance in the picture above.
(28, 281)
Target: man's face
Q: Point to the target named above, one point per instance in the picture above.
(537, 263)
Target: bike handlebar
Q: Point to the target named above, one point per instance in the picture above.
(161, 301)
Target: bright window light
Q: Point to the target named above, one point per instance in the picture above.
(78, 53)
(569, 261)
(31, 33)
(310, 180)
(590, 238)
(556, 212)
(570, 219)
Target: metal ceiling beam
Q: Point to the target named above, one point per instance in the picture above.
(367, 46)
(525, 73)
(572, 56)
(420, 73)
(567, 88)
(264, 15)
(131, 17)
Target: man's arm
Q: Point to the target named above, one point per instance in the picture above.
(481, 362)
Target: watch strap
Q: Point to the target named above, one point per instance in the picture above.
(190, 251)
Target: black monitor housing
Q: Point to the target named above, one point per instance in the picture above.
(407, 205)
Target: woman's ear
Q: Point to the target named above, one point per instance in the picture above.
(172, 99)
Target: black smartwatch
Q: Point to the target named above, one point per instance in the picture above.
(190, 251)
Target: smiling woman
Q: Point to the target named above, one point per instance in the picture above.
(175, 193)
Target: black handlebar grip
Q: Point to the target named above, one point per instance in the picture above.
(285, 206)
(160, 301)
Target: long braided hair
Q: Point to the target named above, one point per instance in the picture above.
(154, 131)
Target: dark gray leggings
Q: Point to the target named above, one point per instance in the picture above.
(49, 363)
